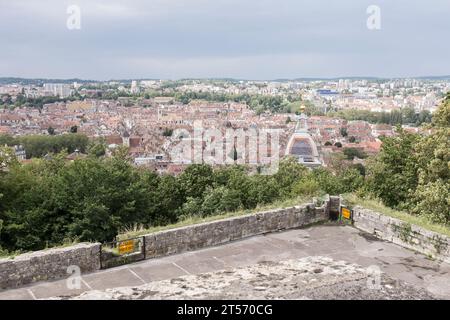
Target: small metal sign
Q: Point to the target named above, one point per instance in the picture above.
(346, 213)
(126, 246)
(116, 253)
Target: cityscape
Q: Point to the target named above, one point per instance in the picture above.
(144, 114)
(224, 159)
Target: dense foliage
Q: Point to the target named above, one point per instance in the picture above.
(412, 171)
(395, 117)
(6, 101)
(51, 200)
(37, 146)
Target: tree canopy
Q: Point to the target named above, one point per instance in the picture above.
(412, 171)
(37, 146)
(50, 200)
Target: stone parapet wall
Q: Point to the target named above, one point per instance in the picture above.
(48, 264)
(404, 234)
(53, 263)
(223, 231)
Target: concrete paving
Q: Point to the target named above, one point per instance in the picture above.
(336, 242)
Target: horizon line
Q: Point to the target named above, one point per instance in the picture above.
(230, 78)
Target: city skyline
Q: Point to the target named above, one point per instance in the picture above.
(13, 79)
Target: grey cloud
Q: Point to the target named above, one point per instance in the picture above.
(204, 38)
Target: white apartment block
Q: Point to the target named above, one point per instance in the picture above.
(61, 90)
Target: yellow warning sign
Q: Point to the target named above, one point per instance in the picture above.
(126, 247)
(346, 213)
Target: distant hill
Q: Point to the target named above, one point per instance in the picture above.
(328, 79)
(435, 77)
(40, 81)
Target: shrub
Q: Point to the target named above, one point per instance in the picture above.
(306, 186)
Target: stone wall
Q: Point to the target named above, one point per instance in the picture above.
(399, 232)
(223, 231)
(52, 264)
(48, 264)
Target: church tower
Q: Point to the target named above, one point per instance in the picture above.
(126, 139)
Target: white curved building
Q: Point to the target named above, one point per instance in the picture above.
(302, 146)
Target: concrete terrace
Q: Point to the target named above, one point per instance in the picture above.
(337, 242)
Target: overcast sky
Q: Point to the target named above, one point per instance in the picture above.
(247, 39)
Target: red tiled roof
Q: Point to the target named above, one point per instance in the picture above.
(114, 139)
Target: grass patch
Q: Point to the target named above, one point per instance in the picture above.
(12, 254)
(376, 205)
(191, 220)
(5, 254)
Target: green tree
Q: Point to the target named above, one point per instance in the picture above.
(432, 155)
(220, 199)
(307, 186)
(169, 198)
(262, 189)
(37, 146)
(328, 182)
(351, 153)
(350, 180)
(7, 157)
(8, 140)
(441, 117)
(195, 179)
(97, 148)
(289, 172)
(343, 131)
(392, 175)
